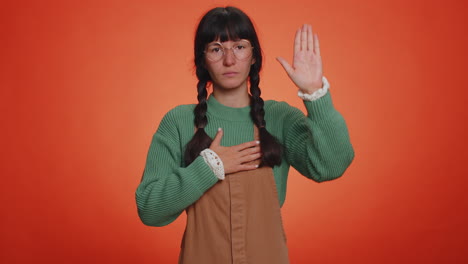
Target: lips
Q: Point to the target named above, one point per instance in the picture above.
(230, 74)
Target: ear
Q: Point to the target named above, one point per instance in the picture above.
(253, 61)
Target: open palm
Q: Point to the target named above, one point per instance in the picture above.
(306, 70)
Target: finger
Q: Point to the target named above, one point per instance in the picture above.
(297, 41)
(304, 37)
(316, 45)
(310, 40)
(249, 151)
(245, 167)
(289, 70)
(245, 145)
(249, 158)
(218, 137)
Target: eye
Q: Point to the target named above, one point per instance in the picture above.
(240, 46)
(214, 49)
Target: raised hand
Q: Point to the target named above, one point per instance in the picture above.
(235, 158)
(306, 70)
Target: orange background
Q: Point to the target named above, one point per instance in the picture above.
(84, 85)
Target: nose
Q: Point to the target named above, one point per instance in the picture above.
(229, 58)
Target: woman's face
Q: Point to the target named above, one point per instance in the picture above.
(228, 63)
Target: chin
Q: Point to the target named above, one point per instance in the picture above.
(230, 85)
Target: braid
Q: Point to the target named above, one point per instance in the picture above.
(256, 110)
(271, 149)
(200, 109)
(200, 139)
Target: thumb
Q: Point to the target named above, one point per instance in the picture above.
(289, 70)
(217, 139)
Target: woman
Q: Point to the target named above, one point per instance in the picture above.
(232, 186)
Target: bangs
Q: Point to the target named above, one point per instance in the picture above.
(225, 31)
(225, 26)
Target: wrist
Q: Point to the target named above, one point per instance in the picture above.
(312, 88)
(318, 93)
(214, 162)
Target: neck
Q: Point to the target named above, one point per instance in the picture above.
(238, 97)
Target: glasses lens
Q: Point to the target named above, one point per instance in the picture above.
(214, 52)
(242, 50)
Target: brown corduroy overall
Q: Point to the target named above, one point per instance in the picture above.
(237, 221)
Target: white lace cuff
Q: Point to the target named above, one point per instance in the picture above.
(214, 162)
(317, 94)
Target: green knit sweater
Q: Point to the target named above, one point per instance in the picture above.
(317, 146)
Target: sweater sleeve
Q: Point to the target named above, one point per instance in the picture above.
(167, 188)
(318, 146)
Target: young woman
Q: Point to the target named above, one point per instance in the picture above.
(225, 161)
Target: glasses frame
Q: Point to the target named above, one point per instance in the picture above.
(223, 49)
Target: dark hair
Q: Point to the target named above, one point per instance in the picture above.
(225, 24)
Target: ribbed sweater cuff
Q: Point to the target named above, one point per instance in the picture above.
(205, 177)
(320, 108)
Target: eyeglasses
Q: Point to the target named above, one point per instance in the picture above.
(241, 49)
